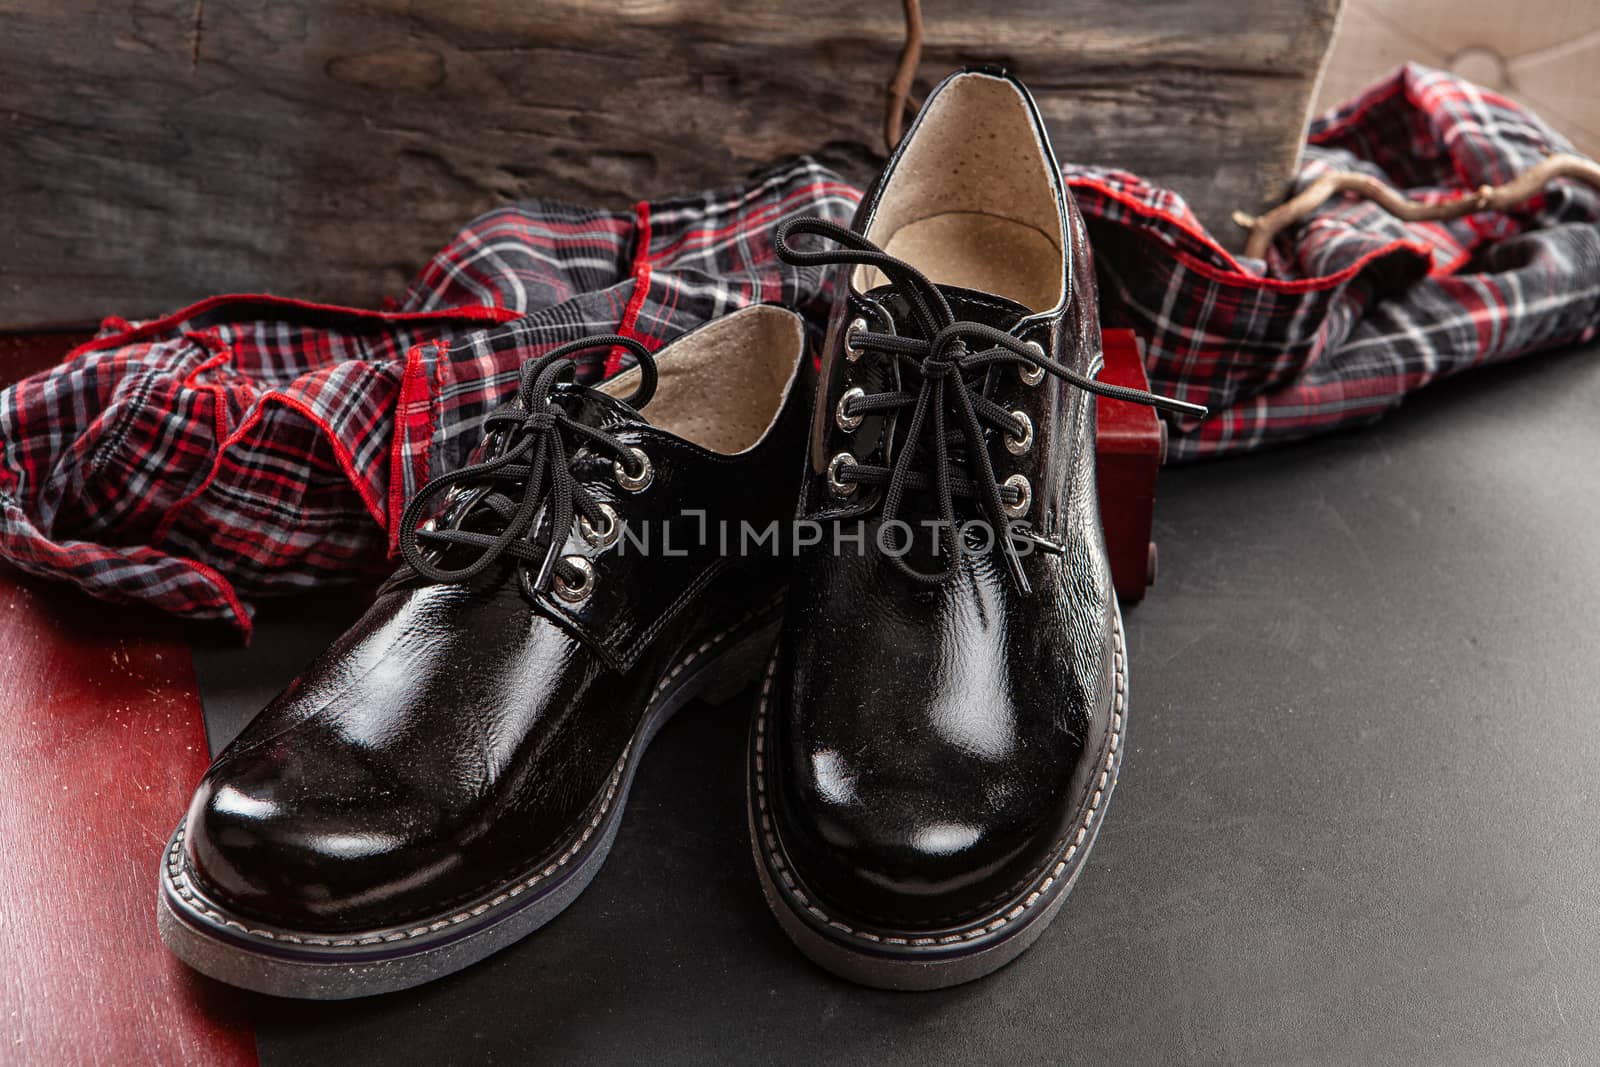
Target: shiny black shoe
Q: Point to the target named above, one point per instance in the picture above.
(941, 725)
(450, 774)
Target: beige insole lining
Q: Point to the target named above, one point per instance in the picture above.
(721, 386)
(972, 201)
(983, 252)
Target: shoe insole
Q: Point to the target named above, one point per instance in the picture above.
(984, 252)
(722, 385)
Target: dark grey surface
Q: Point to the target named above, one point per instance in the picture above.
(1357, 822)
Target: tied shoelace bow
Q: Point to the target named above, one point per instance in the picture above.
(944, 361)
(526, 465)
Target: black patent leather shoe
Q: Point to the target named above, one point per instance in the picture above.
(450, 774)
(941, 725)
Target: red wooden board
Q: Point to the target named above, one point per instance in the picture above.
(101, 743)
(22, 354)
(1129, 451)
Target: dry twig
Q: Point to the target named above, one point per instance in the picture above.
(1264, 228)
(900, 86)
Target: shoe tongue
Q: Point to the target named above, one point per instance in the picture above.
(968, 305)
(582, 404)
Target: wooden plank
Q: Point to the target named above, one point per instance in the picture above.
(159, 151)
(1130, 446)
(101, 743)
(22, 354)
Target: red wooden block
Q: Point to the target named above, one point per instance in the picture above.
(1130, 449)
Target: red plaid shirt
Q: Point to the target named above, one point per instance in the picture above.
(250, 446)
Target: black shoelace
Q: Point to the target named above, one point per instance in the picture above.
(528, 461)
(949, 362)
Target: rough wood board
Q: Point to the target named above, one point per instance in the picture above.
(101, 744)
(155, 151)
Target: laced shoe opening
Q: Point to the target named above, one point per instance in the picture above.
(972, 201)
(721, 386)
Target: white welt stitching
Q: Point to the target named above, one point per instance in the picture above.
(178, 875)
(1076, 837)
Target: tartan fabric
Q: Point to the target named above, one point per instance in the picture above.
(1353, 309)
(251, 446)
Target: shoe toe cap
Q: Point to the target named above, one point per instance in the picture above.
(907, 857)
(317, 860)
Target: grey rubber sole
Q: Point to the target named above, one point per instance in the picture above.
(319, 966)
(930, 959)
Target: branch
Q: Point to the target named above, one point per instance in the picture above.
(1523, 187)
(900, 86)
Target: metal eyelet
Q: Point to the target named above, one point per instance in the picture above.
(1030, 374)
(835, 467)
(1020, 508)
(634, 482)
(851, 352)
(848, 422)
(1018, 445)
(605, 536)
(574, 594)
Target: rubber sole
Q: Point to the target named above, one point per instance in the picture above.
(930, 959)
(319, 966)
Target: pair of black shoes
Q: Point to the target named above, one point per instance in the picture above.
(940, 723)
